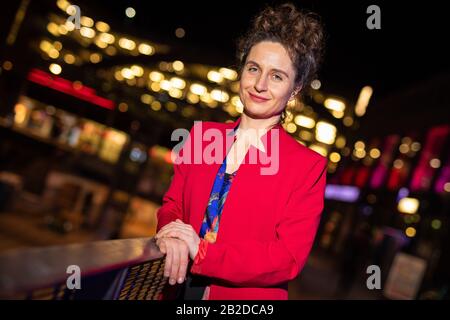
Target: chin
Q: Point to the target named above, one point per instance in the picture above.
(252, 113)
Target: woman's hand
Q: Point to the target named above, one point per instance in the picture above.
(177, 258)
(179, 229)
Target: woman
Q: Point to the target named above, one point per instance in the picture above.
(248, 232)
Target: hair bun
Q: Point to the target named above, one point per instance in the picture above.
(301, 33)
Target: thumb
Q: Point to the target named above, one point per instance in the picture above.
(162, 248)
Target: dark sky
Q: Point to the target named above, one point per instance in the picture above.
(409, 48)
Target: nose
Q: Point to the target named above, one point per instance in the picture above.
(261, 83)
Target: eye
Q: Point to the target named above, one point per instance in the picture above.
(277, 77)
(252, 69)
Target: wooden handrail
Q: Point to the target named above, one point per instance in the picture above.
(25, 270)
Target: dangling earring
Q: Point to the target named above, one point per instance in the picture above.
(293, 94)
(282, 116)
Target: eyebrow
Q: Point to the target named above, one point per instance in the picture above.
(274, 69)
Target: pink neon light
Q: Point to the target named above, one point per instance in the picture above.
(68, 87)
(423, 173)
(381, 171)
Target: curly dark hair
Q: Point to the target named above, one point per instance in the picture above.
(300, 32)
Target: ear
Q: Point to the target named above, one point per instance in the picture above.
(295, 92)
(297, 89)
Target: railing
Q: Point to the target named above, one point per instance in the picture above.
(130, 269)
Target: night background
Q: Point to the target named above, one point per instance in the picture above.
(86, 117)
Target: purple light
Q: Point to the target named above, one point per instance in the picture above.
(398, 235)
(342, 193)
(402, 193)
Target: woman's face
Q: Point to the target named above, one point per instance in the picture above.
(267, 80)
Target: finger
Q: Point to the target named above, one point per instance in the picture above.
(187, 239)
(167, 227)
(174, 230)
(176, 222)
(184, 260)
(168, 264)
(163, 233)
(175, 263)
(186, 226)
(182, 224)
(180, 234)
(162, 246)
(163, 228)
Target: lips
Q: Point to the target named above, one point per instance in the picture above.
(257, 98)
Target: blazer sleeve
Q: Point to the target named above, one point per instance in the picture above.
(172, 203)
(255, 263)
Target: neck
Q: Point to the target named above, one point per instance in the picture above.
(259, 124)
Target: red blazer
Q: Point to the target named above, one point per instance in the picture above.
(268, 222)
